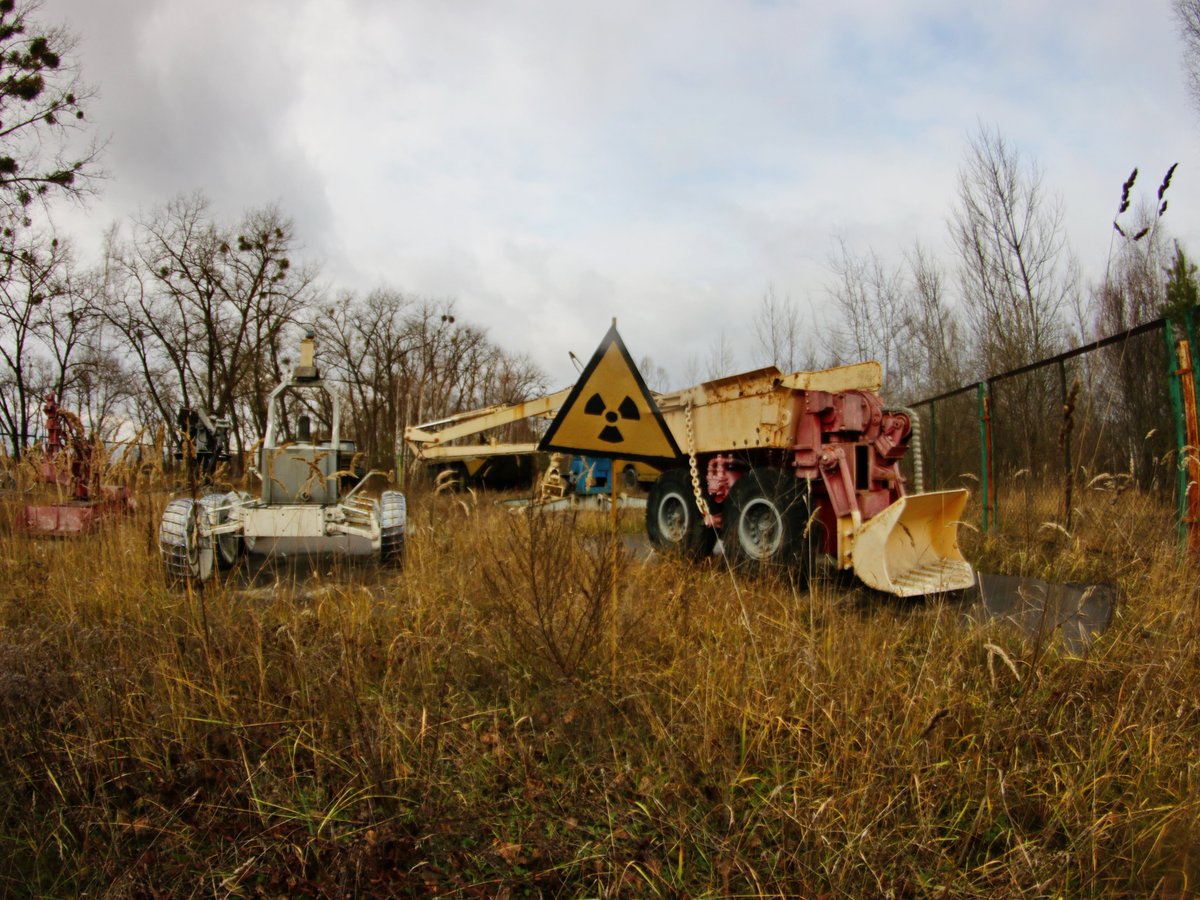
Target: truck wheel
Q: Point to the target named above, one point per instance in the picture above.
(629, 480)
(246, 541)
(186, 554)
(764, 523)
(672, 520)
(393, 517)
(227, 545)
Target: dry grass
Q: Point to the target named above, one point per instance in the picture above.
(457, 728)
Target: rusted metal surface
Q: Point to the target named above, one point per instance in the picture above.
(75, 516)
(66, 441)
(1191, 516)
(827, 431)
(911, 548)
(428, 440)
(815, 419)
(68, 463)
(831, 430)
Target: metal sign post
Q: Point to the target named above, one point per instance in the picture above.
(611, 414)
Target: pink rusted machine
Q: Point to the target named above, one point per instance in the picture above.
(68, 464)
(785, 467)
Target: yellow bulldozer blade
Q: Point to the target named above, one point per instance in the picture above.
(911, 548)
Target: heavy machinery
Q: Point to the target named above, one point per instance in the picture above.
(303, 506)
(203, 442)
(577, 477)
(499, 472)
(439, 445)
(592, 475)
(68, 462)
(784, 467)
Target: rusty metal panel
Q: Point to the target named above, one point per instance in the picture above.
(733, 413)
(472, 451)
(864, 376)
(445, 430)
(760, 420)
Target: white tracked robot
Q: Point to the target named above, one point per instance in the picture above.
(301, 509)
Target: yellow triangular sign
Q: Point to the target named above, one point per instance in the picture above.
(610, 413)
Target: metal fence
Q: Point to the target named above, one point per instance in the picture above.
(1099, 432)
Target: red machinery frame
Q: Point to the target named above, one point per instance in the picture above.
(68, 463)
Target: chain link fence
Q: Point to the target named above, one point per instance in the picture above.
(1089, 441)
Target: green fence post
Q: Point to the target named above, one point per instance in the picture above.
(1062, 390)
(1065, 441)
(985, 463)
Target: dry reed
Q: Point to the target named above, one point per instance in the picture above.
(350, 731)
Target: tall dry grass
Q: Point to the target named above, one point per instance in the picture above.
(470, 726)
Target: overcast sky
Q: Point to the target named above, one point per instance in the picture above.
(552, 165)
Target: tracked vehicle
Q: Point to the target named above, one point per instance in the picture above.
(302, 507)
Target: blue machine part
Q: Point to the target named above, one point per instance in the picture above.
(589, 475)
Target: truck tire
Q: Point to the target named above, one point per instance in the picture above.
(629, 480)
(228, 547)
(393, 519)
(186, 555)
(673, 522)
(245, 541)
(764, 524)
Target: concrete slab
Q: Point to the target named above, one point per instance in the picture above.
(1078, 612)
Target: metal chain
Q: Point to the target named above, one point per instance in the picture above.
(701, 503)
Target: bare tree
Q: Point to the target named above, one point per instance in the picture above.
(365, 344)
(1134, 288)
(1187, 15)
(103, 389)
(779, 331)
(653, 374)
(1127, 383)
(59, 343)
(720, 361)
(41, 158)
(871, 299)
(31, 282)
(1018, 281)
(933, 351)
(204, 308)
(692, 370)
(42, 102)
(1015, 271)
(404, 360)
(1133, 292)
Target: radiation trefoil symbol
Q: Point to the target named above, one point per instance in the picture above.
(610, 433)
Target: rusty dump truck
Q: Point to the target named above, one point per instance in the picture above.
(783, 467)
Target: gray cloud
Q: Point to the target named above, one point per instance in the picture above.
(552, 165)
